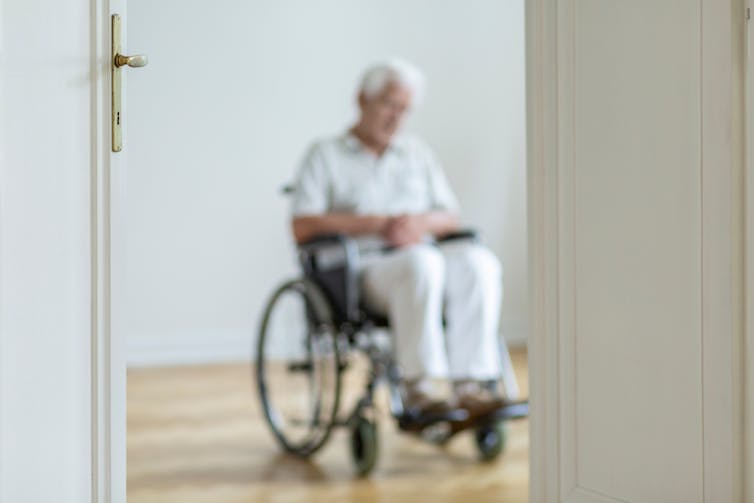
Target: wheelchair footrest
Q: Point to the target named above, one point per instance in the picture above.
(417, 422)
(514, 410)
(442, 430)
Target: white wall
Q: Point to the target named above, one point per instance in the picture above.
(232, 96)
(45, 165)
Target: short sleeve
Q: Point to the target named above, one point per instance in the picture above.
(442, 196)
(310, 195)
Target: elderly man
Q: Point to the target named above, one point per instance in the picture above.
(389, 192)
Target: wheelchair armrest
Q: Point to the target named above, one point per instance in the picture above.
(328, 250)
(325, 239)
(470, 234)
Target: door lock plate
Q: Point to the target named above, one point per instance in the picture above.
(117, 61)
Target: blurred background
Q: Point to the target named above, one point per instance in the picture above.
(232, 97)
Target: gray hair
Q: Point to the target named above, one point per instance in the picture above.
(398, 71)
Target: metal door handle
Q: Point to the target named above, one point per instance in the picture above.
(132, 61)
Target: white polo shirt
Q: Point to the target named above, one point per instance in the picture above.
(340, 175)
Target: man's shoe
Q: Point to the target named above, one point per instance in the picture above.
(420, 410)
(480, 406)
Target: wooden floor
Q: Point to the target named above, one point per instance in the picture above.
(196, 434)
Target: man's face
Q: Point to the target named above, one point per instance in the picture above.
(383, 113)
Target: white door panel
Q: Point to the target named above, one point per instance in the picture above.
(634, 366)
(636, 242)
(46, 127)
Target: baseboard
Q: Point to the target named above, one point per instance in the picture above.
(515, 331)
(517, 339)
(146, 351)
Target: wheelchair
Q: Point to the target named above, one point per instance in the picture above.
(310, 331)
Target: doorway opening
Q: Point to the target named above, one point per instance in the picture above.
(211, 135)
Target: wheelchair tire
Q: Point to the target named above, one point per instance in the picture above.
(364, 446)
(490, 440)
(317, 363)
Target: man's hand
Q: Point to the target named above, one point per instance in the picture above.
(405, 230)
(399, 231)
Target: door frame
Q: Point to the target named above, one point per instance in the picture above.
(108, 363)
(108, 350)
(748, 353)
(541, 138)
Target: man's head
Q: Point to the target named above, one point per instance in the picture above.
(387, 92)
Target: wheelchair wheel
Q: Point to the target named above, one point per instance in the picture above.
(490, 440)
(297, 367)
(364, 445)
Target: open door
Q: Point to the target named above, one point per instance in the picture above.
(635, 240)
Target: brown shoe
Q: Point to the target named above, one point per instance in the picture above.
(480, 406)
(420, 409)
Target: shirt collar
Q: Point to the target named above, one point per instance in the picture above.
(398, 143)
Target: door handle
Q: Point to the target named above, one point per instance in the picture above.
(132, 61)
(119, 60)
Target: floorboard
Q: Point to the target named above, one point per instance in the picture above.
(196, 434)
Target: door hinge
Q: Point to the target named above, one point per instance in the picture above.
(748, 13)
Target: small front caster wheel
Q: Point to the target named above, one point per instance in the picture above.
(364, 445)
(490, 440)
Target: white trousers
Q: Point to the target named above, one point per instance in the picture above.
(412, 285)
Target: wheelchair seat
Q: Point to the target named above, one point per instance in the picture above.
(330, 261)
